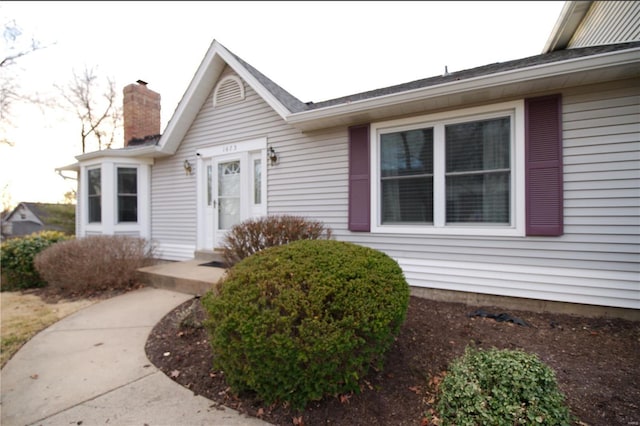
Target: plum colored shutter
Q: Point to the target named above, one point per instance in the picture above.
(543, 158)
(359, 187)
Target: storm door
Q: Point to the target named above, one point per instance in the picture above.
(227, 189)
(232, 189)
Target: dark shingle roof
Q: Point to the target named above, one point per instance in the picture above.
(48, 211)
(147, 140)
(292, 103)
(295, 105)
(546, 58)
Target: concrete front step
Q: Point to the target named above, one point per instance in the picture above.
(208, 255)
(185, 277)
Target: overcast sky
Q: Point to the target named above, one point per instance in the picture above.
(314, 50)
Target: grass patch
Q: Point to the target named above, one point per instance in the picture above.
(24, 315)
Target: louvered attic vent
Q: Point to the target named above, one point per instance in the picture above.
(228, 90)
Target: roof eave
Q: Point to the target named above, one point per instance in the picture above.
(570, 18)
(75, 167)
(147, 151)
(362, 110)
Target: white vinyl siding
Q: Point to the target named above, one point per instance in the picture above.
(608, 22)
(291, 183)
(311, 177)
(229, 90)
(596, 261)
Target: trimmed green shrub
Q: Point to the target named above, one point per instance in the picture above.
(17, 258)
(94, 264)
(253, 235)
(301, 321)
(501, 387)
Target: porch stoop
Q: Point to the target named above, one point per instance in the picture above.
(185, 277)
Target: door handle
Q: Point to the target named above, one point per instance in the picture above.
(215, 203)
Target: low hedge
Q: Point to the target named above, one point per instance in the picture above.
(94, 264)
(300, 321)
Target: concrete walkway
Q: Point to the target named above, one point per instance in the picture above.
(90, 368)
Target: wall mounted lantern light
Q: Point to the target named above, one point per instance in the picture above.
(187, 167)
(273, 157)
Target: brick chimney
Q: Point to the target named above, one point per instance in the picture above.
(141, 110)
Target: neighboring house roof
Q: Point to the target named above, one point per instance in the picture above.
(49, 212)
(50, 216)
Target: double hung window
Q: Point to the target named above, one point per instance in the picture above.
(127, 194)
(406, 176)
(478, 171)
(94, 193)
(447, 174)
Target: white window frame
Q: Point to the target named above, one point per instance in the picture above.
(86, 195)
(117, 193)
(109, 201)
(438, 121)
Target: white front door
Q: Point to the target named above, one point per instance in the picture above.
(232, 189)
(229, 180)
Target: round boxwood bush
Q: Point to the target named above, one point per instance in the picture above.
(501, 387)
(300, 321)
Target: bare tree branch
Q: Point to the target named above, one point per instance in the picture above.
(99, 114)
(10, 90)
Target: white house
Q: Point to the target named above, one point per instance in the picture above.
(516, 179)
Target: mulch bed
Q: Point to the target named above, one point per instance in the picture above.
(596, 361)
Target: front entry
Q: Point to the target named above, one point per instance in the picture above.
(232, 185)
(227, 187)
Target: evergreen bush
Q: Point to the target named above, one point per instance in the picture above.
(300, 321)
(17, 259)
(500, 387)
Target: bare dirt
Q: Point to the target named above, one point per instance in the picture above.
(596, 362)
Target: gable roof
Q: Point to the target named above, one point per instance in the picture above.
(548, 70)
(554, 69)
(203, 82)
(45, 212)
(292, 103)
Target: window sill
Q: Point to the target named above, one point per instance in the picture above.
(488, 231)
